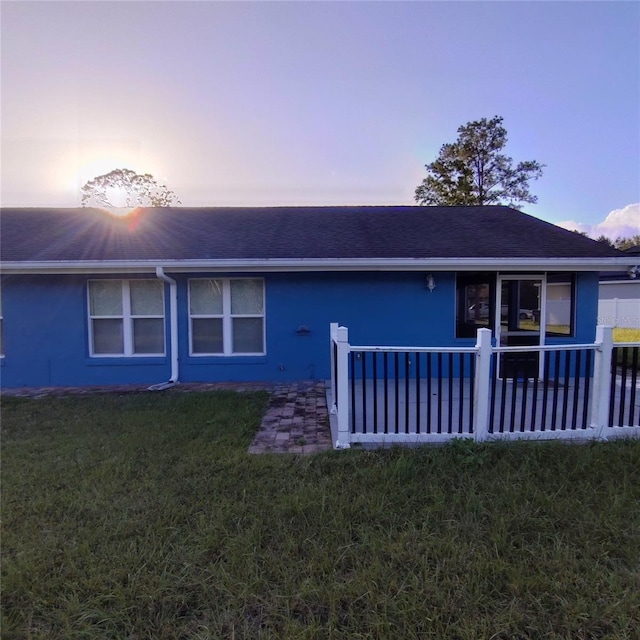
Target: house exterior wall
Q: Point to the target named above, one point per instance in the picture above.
(380, 308)
(45, 337)
(46, 326)
(586, 311)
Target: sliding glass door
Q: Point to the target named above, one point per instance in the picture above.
(519, 322)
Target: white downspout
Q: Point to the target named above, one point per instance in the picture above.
(173, 340)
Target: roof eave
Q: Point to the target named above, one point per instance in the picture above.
(318, 264)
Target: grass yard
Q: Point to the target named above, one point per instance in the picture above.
(626, 335)
(142, 516)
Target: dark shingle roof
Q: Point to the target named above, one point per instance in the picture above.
(30, 235)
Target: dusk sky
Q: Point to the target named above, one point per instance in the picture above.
(292, 103)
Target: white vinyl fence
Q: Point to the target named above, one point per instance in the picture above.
(619, 312)
(409, 395)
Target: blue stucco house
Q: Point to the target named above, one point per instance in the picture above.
(239, 294)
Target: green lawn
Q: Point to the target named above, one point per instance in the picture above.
(142, 516)
(626, 335)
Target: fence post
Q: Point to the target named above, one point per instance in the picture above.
(602, 379)
(482, 385)
(342, 388)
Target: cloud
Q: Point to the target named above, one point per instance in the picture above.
(572, 225)
(619, 223)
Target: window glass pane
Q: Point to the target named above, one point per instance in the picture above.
(148, 335)
(1, 339)
(559, 310)
(205, 297)
(247, 335)
(206, 335)
(108, 336)
(146, 297)
(246, 296)
(529, 294)
(520, 302)
(105, 297)
(475, 303)
(0, 301)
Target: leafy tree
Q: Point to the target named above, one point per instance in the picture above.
(620, 242)
(473, 171)
(126, 188)
(604, 240)
(627, 243)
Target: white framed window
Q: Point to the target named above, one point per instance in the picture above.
(226, 316)
(126, 317)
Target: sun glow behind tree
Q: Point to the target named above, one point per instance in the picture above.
(123, 190)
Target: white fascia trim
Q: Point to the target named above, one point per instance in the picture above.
(319, 264)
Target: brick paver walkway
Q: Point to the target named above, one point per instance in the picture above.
(296, 419)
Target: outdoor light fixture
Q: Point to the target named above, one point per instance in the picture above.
(633, 272)
(431, 283)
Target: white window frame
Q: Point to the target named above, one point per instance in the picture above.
(227, 320)
(127, 323)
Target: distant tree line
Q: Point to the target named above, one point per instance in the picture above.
(619, 243)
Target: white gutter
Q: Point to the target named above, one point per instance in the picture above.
(620, 281)
(173, 320)
(319, 264)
